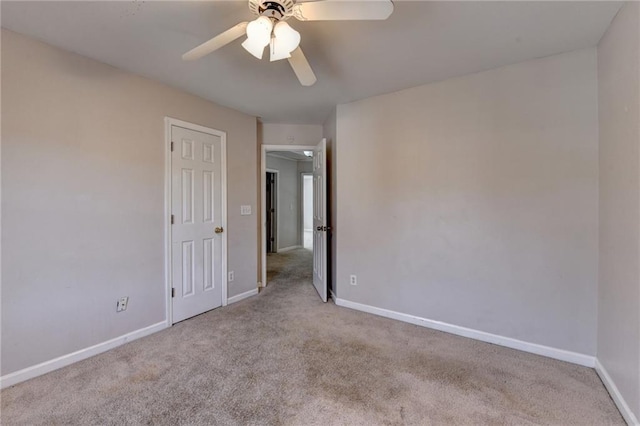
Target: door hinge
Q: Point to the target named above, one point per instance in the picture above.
(171, 146)
(172, 219)
(173, 292)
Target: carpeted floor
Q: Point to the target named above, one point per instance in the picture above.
(285, 358)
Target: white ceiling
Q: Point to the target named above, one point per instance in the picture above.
(421, 42)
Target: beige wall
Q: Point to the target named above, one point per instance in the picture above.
(290, 134)
(619, 287)
(477, 201)
(82, 208)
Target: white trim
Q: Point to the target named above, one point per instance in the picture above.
(286, 249)
(333, 296)
(56, 363)
(167, 221)
(561, 354)
(168, 122)
(622, 405)
(263, 199)
(241, 296)
(223, 212)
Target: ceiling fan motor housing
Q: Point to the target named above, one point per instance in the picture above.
(279, 10)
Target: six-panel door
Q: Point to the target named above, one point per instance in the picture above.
(196, 205)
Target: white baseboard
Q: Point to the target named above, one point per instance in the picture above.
(561, 354)
(239, 297)
(54, 364)
(622, 405)
(285, 249)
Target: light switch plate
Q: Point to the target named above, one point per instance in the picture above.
(245, 210)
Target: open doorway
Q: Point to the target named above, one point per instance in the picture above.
(294, 227)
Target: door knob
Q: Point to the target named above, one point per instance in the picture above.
(219, 230)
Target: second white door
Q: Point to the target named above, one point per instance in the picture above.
(197, 228)
(320, 219)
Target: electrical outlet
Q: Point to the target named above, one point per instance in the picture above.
(122, 304)
(245, 210)
(231, 276)
(353, 280)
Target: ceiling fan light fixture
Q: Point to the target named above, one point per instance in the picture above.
(277, 51)
(285, 40)
(256, 48)
(258, 36)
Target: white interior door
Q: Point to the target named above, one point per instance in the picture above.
(320, 219)
(197, 222)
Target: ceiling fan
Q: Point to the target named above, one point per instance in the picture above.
(271, 29)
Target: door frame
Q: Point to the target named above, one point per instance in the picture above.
(277, 227)
(168, 122)
(263, 200)
(302, 175)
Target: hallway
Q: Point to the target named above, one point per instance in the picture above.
(290, 269)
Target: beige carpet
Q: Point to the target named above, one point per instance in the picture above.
(285, 358)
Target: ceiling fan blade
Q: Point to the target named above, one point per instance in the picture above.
(217, 42)
(302, 68)
(343, 10)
